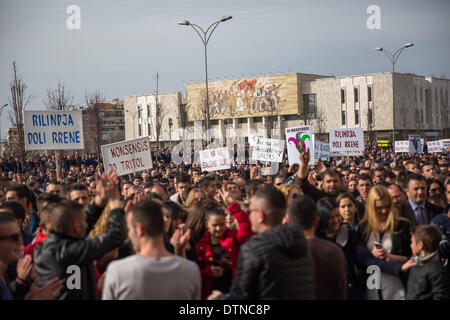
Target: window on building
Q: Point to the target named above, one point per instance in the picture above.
(149, 130)
(356, 116)
(343, 117)
(257, 119)
(421, 95)
(148, 109)
(228, 121)
(312, 106)
(242, 120)
(342, 95)
(292, 117)
(213, 123)
(356, 93)
(139, 130)
(369, 94)
(415, 94)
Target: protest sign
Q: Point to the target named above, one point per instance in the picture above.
(127, 156)
(267, 149)
(435, 146)
(349, 141)
(298, 139)
(215, 159)
(401, 146)
(415, 143)
(53, 130)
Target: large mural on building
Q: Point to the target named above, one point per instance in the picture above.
(249, 97)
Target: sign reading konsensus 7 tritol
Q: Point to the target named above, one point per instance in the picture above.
(127, 156)
(53, 130)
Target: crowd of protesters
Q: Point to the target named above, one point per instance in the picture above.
(176, 232)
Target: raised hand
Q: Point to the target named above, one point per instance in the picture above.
(24, 267)
(302, 172)
(51, 290)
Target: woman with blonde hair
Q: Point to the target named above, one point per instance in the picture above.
(290, 191)
(388, 238)
(195, 196)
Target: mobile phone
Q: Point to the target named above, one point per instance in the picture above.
(378, 245)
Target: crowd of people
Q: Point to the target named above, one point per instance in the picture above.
(374, 227)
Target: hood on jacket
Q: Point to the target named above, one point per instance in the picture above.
(287, 238)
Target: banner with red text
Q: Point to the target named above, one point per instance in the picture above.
(127, 156)
(215, 159)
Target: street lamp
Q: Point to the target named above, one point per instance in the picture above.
(205, 39)
(133, 115)
(1, 110)
(393, 59)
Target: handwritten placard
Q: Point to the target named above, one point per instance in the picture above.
(215, 159)
(53, 130)
(127, 156)
(415, 143)
(298, 139)
(267, 149)
(349, 141)
(401, 146)
(435, 146)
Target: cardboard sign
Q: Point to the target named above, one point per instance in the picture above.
(415, 143)
(299, 139)
(267, 149)
(128, 156)
(215, 159)
(401, 146)
(53, 130)
(321, 150)
(349, 141)
(435, 146)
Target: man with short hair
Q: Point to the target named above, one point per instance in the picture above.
(182, 181)
(125, 185)
(21, 194)
(161, 190)
(364, 184)
(67, 246)
(54, 187)
(153, 273)
(428, 171)
(275, 263)
(208, 185)
(330, 265)
(416, 190)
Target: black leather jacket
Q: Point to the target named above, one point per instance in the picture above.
(275, 264)
(58, 252)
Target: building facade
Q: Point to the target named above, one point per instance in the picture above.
(268, 105)
(159, 121)
(103, 125)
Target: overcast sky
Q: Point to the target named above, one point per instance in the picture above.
(123, 43)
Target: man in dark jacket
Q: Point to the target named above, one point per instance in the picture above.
(66, 252)
(275, 263)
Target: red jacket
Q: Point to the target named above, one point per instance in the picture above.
(231, 241)
(29, 248)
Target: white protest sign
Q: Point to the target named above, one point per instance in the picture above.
(267, 149)
(435, 146)
(401, 146)
(415, 143)
(299, 139)
(53, 130)
(445, 143)
(349, 141)
(127, 156)
(215, 159)
(324, 151)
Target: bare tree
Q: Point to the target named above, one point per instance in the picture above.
(59, 98)
(370, 121)
(18, 102)
(94, 107)
(321, 124)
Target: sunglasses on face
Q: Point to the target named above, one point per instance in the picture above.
(15, 237)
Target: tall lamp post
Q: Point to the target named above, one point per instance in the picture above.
(393, 59)
(1, 111)
(204, 36)
(133, 116)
